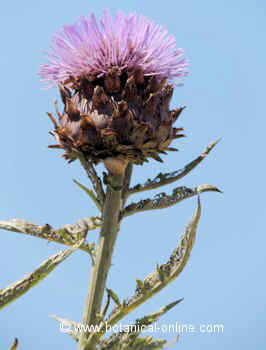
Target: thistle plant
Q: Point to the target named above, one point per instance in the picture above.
(116, 78)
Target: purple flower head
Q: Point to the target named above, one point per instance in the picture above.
(125, 42)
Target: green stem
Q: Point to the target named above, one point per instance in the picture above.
(108, 235)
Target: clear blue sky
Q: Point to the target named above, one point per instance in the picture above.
(224, 281)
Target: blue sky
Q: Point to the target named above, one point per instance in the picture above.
(224, 281)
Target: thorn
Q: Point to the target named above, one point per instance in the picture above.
(53, 120)
(173, 304)
(156, 157)
(55, 146)
(179, 136)
(210, 147)
(64, 92)
(175, 113)
(172, 149)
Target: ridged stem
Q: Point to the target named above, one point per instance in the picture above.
(108, 235)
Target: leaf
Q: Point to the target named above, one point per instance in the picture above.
(153, 282)
(113, 296)
(149, 319)
(168, 178)
(90, 193)
(68, 234)
(94, 178)
(162, 200)
(20, 287)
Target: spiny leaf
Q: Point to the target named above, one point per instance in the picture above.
(162, 200)
(68, 234)
(149, 319)
(90, 193)
(168, 178)
(17, 289)
(93, 176)
(153, 283)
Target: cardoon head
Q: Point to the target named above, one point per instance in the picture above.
(114, 77)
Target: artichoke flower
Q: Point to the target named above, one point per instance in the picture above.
(116, 81)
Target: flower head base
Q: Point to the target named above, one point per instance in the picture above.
(113, 79)
(126, 42)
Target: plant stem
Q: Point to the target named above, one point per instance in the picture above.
(127, 179)
(108, 235)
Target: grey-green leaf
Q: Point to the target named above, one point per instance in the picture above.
(168, 178)
(171, 270)
(68, 234)
(20, 287)
(90, 193)
(113, 296)
(162, 200)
